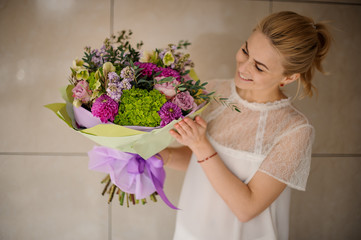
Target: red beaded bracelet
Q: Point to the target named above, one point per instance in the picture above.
(214, 154)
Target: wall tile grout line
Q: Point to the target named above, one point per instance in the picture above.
(270, 7)
(315, 2)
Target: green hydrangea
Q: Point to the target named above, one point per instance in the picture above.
(139, 107)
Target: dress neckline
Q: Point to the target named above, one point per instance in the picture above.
(259, 106)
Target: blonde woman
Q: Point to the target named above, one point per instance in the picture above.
(241, 166)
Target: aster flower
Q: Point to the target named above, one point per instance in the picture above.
(105, 108)
(168, 113)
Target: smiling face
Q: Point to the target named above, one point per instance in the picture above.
(259, 70)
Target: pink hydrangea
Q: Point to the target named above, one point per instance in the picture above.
(82, 92)
(167, 88)
(105, 108)
(184, 100)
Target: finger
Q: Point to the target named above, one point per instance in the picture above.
(175, 135)
(181, 131)
(192, 124)
(184, 125)
(201, 121)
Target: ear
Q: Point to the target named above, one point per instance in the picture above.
(290, 79)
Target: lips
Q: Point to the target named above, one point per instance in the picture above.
(244, 78)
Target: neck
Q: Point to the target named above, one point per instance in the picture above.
(260, 96)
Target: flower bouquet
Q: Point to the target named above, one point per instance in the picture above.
(127, 100)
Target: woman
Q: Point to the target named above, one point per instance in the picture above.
(241, 166)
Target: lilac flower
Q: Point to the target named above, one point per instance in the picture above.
(184, 100)
(113, 77)
(169, 112)
(105, 108)
(114, 91)
(125, 84)
(127, 73)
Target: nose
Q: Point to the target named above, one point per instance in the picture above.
(244, 66)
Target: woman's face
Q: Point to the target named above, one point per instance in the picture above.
(259, 66)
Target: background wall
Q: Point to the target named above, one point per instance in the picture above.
(46, 190)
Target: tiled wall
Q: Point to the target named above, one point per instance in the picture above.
(46, 190)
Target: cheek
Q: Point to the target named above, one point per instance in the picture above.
(240, 58)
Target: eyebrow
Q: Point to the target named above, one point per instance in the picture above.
(259, 63)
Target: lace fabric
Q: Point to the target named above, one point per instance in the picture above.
(275, 131)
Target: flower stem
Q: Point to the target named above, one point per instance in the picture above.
(106, 187)
(112, 191)
(121, 198)
(107, 177)
(127, 199)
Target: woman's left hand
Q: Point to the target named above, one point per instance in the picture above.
(191, 133)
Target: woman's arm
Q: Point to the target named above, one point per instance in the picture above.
(176, 158)
(245, 200)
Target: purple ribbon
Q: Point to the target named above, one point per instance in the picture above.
(130, 172)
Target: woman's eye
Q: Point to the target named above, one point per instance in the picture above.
(244, 51)
(258, 69)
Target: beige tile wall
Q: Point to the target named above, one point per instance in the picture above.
(46, 192)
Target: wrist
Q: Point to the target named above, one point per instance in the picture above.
(203, 149)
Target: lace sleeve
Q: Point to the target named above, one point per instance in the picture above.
(289, 159)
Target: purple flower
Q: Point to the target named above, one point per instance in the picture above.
(169, 112)
(114, 91)
(127, 73)
(184, 100)
(82, 92)
(149, 67)
(105, 108)
(125, 84)
(113, 77)
(168, 72)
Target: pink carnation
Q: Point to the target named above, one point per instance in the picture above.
(167, 88)
(82, 92)
(105, 108)
(184, 100)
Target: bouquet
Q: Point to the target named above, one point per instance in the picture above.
(127, 100)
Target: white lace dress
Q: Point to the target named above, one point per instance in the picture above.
(274, 138)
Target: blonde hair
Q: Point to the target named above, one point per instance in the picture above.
(303, 44)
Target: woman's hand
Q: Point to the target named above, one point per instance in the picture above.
(191, 133)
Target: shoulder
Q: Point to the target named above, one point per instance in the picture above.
(296, 123)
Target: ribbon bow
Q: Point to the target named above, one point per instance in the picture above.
(130, 172)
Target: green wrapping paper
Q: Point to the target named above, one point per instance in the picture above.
(146, 144)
